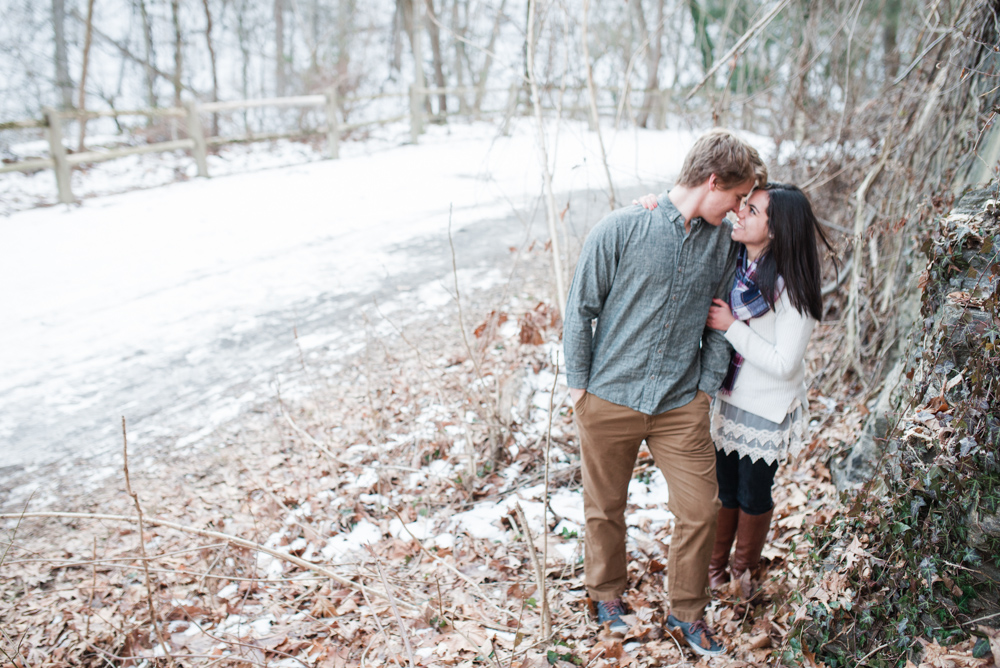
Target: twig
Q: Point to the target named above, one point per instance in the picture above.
(747, 36)
(381, 629)
(395, 611)
(869, 654)
(468, 348)
(454, 570)
(142, 550)
(853, 310)
(539, 571)
(302, 563)
(543, 159)
(592, 99)
(547, 629)
(306, 435)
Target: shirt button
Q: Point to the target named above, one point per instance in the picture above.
(660, 351)
(652, 377)
(675, 298)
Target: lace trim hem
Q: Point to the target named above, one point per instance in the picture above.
(767, 444)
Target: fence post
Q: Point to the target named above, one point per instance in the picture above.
(416, 114)
(332, 125)
(197, 133)
(58, 152)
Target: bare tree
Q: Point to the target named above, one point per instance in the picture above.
(63, 81)
(279, 48)
(175, 15)
(82, 99)
(212, 63)
(413, 25)
(484, 71)
(150, 53)
(435, 34)
(654, 51)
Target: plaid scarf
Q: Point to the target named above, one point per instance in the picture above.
(747, 302)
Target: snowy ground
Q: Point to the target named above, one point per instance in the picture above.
(177, 306)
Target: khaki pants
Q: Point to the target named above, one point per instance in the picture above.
(681, 445)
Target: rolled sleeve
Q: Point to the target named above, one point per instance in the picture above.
(591, 283)
(715, 348)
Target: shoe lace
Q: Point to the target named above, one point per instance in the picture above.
(611, 608)
(704, 632)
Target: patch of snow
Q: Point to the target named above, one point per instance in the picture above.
(341, 546)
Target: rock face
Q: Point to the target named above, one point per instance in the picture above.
(934, 399)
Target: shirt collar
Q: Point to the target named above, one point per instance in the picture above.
(670, 211)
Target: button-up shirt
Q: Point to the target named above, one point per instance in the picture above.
(648, 284)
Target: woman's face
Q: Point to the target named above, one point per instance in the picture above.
(751, 226)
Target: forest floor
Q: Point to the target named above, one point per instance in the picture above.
(407, 482)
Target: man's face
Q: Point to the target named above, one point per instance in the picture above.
(720, 201)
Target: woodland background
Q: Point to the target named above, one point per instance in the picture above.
(882, 111)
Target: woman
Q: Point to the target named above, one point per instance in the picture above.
(760, 414)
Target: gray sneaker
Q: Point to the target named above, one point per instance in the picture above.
(611, 612)
(698, 635)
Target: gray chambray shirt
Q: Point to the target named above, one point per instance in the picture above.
(649, 287)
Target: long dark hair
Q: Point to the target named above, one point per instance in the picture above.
(792, 252)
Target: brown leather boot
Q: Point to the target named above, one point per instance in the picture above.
(724, 535)
(751, 534)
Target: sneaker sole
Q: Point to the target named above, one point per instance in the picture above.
(697, 649)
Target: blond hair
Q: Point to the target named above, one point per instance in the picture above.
(720, 152)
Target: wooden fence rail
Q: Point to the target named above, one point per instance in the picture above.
(197, 142)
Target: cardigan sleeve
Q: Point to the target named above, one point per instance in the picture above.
(783, 357)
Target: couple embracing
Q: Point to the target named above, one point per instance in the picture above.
(689, 307)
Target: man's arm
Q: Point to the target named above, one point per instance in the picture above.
(715, 349)
(591, 283)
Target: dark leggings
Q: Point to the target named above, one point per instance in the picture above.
(744, 484)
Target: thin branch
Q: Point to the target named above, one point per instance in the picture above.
(747, 36)
(539, 569)
(395, 611)
(454, 570)
(301, 563)
(153, 619)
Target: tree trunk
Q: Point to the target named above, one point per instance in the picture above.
(279, 48)
(484, 72)
(63, 81)
(150, 54)
(654, 51)
(175, 15)
(439, 81)
(809, 20)
(461, 57)
(413, 24)
(82, 99)
(243, 39)
(890, 48)
(701, 36)
(215, 69)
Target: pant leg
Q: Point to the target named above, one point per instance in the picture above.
(681, 443)
(609, 442)
(754, 488)
(727, 473)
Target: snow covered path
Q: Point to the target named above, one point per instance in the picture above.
(176, 306)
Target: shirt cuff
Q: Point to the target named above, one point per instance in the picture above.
(577, 380)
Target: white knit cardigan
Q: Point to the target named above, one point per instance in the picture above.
(773, 373)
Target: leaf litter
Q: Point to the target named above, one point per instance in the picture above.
(401, 476)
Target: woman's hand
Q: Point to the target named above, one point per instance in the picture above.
(647, 201)
(720, 316)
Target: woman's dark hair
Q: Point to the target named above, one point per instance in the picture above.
(792, 252)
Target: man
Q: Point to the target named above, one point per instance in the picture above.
(649, 368)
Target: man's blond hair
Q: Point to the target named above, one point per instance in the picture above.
(720, 152)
